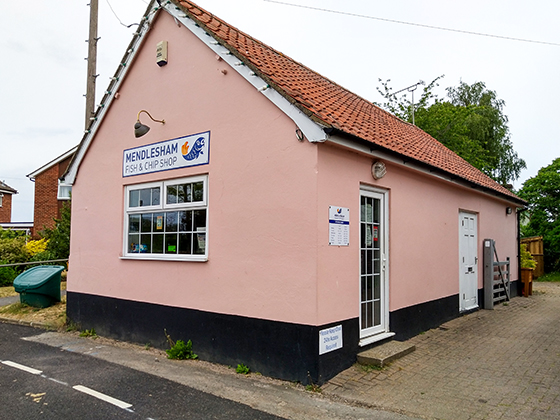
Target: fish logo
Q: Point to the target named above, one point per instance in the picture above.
(195, 151)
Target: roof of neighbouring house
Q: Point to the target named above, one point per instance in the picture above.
(5, 188)
(53, 162)
(335, 107)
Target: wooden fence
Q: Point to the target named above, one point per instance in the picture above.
(536, 248)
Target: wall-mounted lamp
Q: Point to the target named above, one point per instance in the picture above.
(299, 134)
(141, 129)
(508, 210)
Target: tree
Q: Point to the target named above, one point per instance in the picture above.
(58, 246)
(470, 122)
(542, 192)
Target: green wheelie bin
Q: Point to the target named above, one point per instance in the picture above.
(39, 286)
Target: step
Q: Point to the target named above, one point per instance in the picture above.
(385, 353)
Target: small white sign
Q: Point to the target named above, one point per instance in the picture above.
(339, 226)
(330, 339)
(185, 151)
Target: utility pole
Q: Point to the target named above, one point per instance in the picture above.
(92, 61)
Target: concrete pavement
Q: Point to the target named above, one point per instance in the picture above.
(500, 364)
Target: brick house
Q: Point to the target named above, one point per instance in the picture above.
(49, 195)
(6, 193)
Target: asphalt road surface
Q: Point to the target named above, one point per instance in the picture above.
(42, 382)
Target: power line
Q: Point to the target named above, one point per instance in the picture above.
(127, 26)
(414, 24)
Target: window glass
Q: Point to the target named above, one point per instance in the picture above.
(147, 222)
(145, 197)
(157, 244)
(172, 226)
(155, 196)
(171, 194)
(134, 198)
(171, 221)
(199, 217)
(133, 243)
(199, 243)
(134, 223)
(145, 244)
(171, 243)
(185, 221)
(198, 191)
(185, 243)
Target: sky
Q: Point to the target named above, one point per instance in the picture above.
(43, 69)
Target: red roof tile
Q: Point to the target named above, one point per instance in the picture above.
(336, 107)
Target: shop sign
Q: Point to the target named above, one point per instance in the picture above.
(178, 153)
(330, 339)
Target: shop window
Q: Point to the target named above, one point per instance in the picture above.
(167, 220)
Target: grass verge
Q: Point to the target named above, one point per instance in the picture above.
(54, 317)
(549, 277)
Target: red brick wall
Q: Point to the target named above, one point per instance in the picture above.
(6, 209)
(47, 205)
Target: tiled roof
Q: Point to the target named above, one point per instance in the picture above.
(336, 107)
(6, 188)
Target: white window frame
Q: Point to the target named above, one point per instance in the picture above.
(64, 191)
(164, 207)
(1, 198)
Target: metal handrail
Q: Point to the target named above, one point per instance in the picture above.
(33, 262)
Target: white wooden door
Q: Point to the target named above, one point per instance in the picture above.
(468, 262)
(373, 258)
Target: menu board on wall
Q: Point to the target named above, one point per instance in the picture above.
(339, 226)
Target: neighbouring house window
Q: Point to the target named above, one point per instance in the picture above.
(1, 196)
(64, 191)
(167, 220)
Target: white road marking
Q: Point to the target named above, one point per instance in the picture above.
(57, 381)
(81, 388)
(106, 398)
(22, 367)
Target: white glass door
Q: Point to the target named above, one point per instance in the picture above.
(373, 299)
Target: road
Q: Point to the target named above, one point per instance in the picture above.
(40, 381)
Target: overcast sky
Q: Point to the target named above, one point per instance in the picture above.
(43, 71)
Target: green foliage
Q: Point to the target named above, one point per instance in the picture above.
(470, 122)
(181, 351)
(542, 192)
(550, 277)
(313, 388)
(89, 333)
(7, 275)
(527, 260)
(11, 234)
(12, 250)
(58, 246)
(242, 369)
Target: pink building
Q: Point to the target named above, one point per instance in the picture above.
(275, 218)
